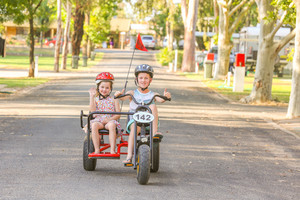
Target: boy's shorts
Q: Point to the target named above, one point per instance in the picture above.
(132, 121)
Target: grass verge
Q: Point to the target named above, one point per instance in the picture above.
(45, 63)
(22, 82)
(281, 87)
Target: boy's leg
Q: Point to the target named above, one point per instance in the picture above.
(111, 127)
(96, 126)
(131, 143)
(155, 121)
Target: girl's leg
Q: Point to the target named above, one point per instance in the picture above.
(111, 127)
(96, 126)
(131, 143)
(155, 121)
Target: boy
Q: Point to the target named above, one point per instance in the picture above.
(144, 74)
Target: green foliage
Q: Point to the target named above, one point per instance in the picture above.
(45, 15)
(290, 55)
(279, 7)
(100, 20)
(165, 56)
(18, 11)
(1, 29)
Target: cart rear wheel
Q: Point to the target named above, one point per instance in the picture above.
(155, 162)
(143, 164)
(88, 164)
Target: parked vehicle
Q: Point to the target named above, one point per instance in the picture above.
(180, 44)
(165, 43)
(50, 42)
(148, 41)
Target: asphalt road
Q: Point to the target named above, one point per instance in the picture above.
(212, 149)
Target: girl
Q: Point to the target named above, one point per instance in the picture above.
(144, 74)
(101, 101)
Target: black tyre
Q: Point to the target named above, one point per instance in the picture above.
(88, 164)
(155, 154)
(143, 164)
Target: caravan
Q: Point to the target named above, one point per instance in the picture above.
(249, 39)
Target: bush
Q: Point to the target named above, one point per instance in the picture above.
(165, 57)
(179, 59)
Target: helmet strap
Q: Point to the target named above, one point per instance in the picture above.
(137, 84)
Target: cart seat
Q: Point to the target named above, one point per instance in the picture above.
(103, 131)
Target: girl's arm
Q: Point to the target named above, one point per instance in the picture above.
(118, 93)
(117, 109)
(92, 93)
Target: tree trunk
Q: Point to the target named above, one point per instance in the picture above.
(216, 15)
(85, 38)
(262, 85)
(171, 26)
(41, 39)
(78, 29)
(224, 44)
(31, 51)
(58, 37)
(66, 36)
(294, 103)
(188, 60)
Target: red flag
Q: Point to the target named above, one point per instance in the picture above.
(139, 44)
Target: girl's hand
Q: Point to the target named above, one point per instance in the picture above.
(167, 94)
(92, 92)
(118, 93)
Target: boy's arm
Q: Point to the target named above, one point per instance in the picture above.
(167, 94)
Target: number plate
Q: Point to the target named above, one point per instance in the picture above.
(143, 117)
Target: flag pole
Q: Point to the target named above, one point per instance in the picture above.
(138, 45)
(129, 70)
(127, 77)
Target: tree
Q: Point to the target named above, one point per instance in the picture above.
(44, 18)
(20, 11)
(294, 103)
(78, 18)
(268, 49)
(189, 16)
(100, 18)
(206, 21)
(58, 37)
(68, 8)
(227, 25)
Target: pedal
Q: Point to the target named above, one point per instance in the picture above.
(128, 165)
(156, 139)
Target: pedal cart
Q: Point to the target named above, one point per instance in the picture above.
(146, 147)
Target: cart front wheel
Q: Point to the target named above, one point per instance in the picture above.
(143, 164)
(155, 162)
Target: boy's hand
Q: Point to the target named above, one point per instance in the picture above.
(92, 92)
(118, 93)
(167, 94)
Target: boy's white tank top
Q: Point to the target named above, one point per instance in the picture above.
(140, 97)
